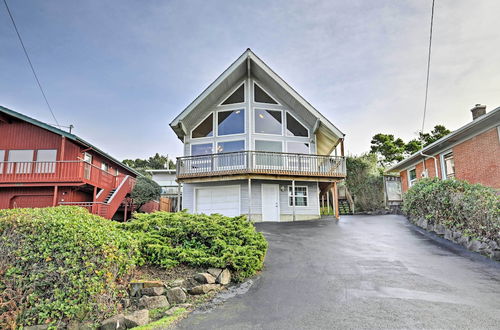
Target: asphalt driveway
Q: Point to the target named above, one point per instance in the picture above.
(361, 272)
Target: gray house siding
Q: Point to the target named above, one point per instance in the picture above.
(311, 211)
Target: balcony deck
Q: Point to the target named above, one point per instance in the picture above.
(261, 163)
(58, 172)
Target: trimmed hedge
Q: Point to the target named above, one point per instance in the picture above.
(471, 208)
(167, 239)
(59, 264)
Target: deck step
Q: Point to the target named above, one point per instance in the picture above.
(109, 196)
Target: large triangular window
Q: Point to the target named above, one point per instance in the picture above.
(294, 127)
(205, 128)
(238, 96)
(259, 95)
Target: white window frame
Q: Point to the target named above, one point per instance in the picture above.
(303, 142)
(231, 140)
(22, 167)
(411, 182)
(216, 121)
(231, 93)
(199, 123)
(105, 167)
(200, 143)
(268, 109)
(297, 119)
(45, 166)
(295, 196)
(2, 160)
(265, 90)
(444, 175)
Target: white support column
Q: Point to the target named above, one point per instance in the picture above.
(249, 198)
(328, 202)
(293, 199)
(178, 196)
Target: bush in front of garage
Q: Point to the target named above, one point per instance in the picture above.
(199, 240)
(472, 209)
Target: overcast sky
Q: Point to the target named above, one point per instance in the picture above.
(120, 71)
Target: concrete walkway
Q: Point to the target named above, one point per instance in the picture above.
(363, 272)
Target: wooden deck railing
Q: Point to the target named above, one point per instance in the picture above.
(261, 162)
(56, 172)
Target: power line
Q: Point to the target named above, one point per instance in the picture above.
(428, 68)
(29, 61)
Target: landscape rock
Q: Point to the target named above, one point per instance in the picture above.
(135, 289)
(116, 322)
(448, 234)
(137, 318)
(456, 235)
(463, 240)
(204, 288)
(153, 291)
(204, 278)
(177, 283)
(474, 245)
(440, 229)
(176, 296)
(224, 277)
(172, 310)
(495, 255)
(493, 245)
(153, 302)
(215, 272)
(430, 227)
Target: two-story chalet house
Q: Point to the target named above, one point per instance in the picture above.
(41, 166)
(253, 146)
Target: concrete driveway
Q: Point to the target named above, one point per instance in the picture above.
(361, 272)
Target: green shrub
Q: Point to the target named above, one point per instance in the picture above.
(365, 181)
(471, 208)
(167, 239)
(61, 263)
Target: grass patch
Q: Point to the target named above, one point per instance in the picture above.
(164, 322)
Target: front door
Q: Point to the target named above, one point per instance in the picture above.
(270, 202)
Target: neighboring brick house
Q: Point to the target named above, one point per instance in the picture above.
(471, 153)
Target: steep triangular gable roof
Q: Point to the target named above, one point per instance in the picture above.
(249, 61)
(58, 131)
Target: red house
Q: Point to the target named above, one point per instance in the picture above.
(471, 153)
(41, 166)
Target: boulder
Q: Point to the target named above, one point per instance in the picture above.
(474, 245)
(204, 278)
(430, 227)
(463, 240)
(176, 296)
(204, 288)
(224, 277)
(177, 283)
(137, 318)
(135, 289)
(456, 235)
(153, 291)
(495, 255)
(153, 302)
(215, 272)
(448, 234)
(493, 245)
(116, 322)
(440, 229)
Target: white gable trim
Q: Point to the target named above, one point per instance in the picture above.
(248, 54)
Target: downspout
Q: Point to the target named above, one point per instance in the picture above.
(435, 162)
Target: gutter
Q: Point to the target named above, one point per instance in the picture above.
(435, 162)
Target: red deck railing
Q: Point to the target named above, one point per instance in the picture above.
(57, 172)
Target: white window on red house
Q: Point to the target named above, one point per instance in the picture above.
(2, 158)
(449, 166)
(105, 167)
(20, 161)
(46, 161)
(412, 177)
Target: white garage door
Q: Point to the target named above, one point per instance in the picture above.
(223, 200)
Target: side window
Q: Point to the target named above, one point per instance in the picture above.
(412, 177)
(21, 161)
(238, 96)
(294, 127)
(449, 166)
(300, 196)
(230, 122)
(268, 122)
(201, 149)
(261, 96)
(2, 159)
(205, 128)
(46, 161)
(105, 167)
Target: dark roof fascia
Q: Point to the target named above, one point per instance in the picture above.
(68, 135)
